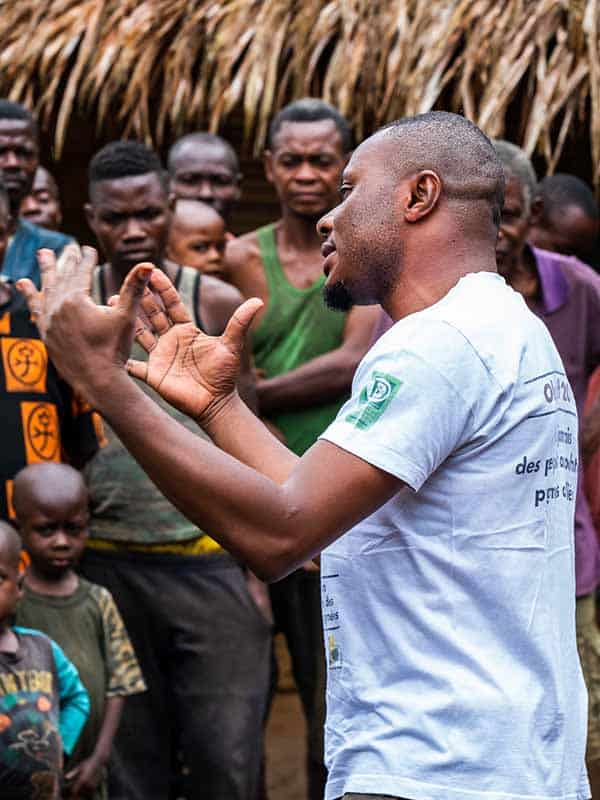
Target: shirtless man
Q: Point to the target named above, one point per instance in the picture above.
(306, 353)
(202, 643)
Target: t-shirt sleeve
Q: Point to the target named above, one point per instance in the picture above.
(405, 415)
(123, 670)
(74, 700)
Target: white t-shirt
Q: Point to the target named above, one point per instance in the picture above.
(449, 614)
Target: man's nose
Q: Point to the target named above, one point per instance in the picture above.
(325, 225)
(134, 229)
(305, 172)
(9, 160)
(205, 189)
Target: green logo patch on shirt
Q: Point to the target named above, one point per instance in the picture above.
(373, 400)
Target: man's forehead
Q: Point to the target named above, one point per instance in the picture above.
(132, 191)
(369, 155)
(16, 129)
(194, 157)
(308, 137)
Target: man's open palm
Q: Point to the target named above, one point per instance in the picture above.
(190, 370)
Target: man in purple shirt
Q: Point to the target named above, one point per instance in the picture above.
(565, 293)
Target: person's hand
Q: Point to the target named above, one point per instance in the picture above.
(194, 372)
(85, 778)
(86, 342)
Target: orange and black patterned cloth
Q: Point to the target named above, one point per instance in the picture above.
(40, 418)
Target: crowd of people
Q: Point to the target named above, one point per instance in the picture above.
(136, 644)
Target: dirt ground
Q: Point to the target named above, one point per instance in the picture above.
(285, 742)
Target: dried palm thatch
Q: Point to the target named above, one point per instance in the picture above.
(164, 66)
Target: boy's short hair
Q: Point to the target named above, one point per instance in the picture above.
(10, 543)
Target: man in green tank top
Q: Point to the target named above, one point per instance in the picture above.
(202, 642)
(305, 353)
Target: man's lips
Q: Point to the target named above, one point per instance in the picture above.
(142, 254)
(329, 253)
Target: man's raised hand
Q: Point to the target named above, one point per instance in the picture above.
(86, 342)
(192, 371)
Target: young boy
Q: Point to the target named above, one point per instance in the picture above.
(43, 704)
(51, 504)
(197, 237)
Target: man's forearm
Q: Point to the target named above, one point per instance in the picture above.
(246, 512)
(321, 380)
(237, 431)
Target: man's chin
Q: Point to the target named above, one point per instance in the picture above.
(337, 297)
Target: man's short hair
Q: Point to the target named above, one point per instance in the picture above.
(203, 139)
(10, 110)
(457, 150)
(517, 164)
(124, 159)
(562, 190)
(311, 109)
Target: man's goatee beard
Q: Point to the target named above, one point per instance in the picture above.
(337, 297)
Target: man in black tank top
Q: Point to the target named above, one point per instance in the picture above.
(202, 641)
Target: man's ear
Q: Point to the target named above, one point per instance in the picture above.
(425, 188)
(90, 216)
(268, 163)
(536, 212)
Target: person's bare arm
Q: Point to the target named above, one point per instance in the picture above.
(272, 527)
(86, 776)
(326, 377)
(220, 302)
(273, 524)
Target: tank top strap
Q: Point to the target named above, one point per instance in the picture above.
(188, 284)
(267, 245)
(98, 291)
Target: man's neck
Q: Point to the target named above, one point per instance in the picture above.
(115, 274)
(298, 233)
(425, 280)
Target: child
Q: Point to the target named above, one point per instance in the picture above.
(43, 705)
(51, 504)
(197, 237)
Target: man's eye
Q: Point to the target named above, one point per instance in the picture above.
(200, 248)
(149, 213)
(345, 191)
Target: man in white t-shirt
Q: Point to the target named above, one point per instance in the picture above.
(442, 495)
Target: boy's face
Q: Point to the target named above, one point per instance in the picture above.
(11, 585)
(199, 244)
(54, 535)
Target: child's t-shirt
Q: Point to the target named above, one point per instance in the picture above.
(89, 628)
(43, 707)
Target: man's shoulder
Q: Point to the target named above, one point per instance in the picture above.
(53, 240)
(218, 291)
(577, 272)
(244, 249)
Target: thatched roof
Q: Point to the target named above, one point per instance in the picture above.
(164, 66)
